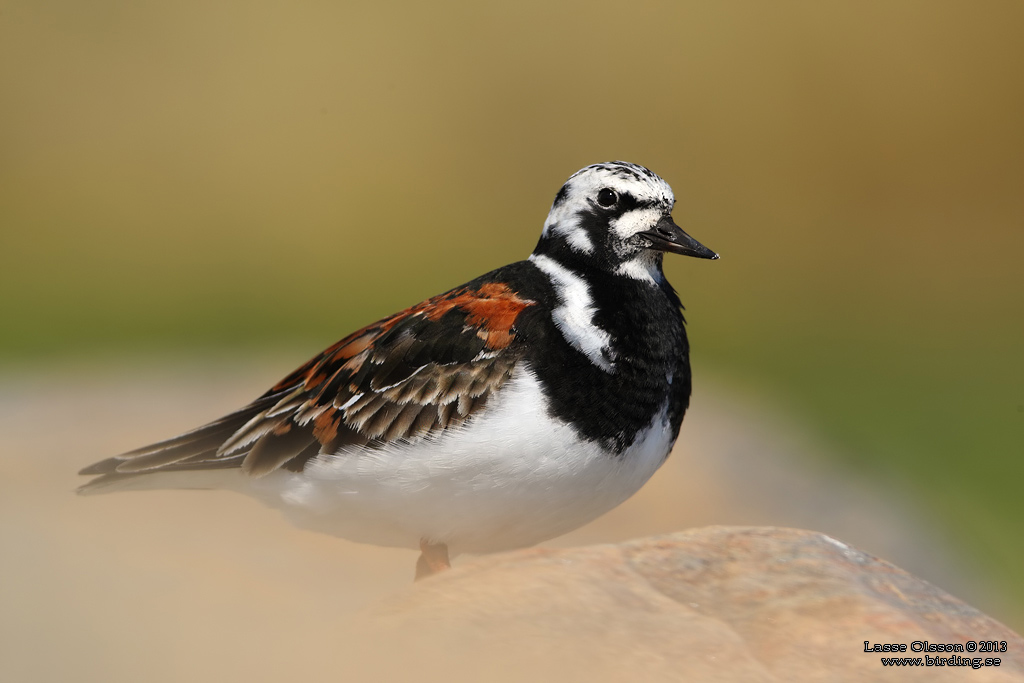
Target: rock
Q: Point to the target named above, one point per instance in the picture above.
(711, 604)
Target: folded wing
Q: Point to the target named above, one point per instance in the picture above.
(409, 376)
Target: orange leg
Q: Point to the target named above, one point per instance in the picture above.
(433, 559)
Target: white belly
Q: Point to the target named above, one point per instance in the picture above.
(510, 477)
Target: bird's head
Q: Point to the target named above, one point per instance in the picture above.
(616, 216)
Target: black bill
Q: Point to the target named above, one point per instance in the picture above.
(667, 236)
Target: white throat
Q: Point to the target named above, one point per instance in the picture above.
(645, 267)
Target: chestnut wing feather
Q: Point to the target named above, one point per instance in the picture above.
(411, 375)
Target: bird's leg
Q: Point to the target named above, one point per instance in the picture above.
(433, 558)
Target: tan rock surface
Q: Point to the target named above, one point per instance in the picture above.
(712, 604)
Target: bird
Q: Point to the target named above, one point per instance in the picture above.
(502, 413)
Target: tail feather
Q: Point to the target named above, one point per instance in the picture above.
(194, 450)
(214, 478)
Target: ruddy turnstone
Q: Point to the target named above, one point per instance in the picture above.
(499, 414)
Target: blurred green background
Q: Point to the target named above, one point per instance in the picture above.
(222, 177)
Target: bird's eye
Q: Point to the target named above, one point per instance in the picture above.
(607, 197)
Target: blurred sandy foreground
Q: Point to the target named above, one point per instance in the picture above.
(202, 586)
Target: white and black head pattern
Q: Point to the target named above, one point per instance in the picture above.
(604, 215)
(601, 250)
